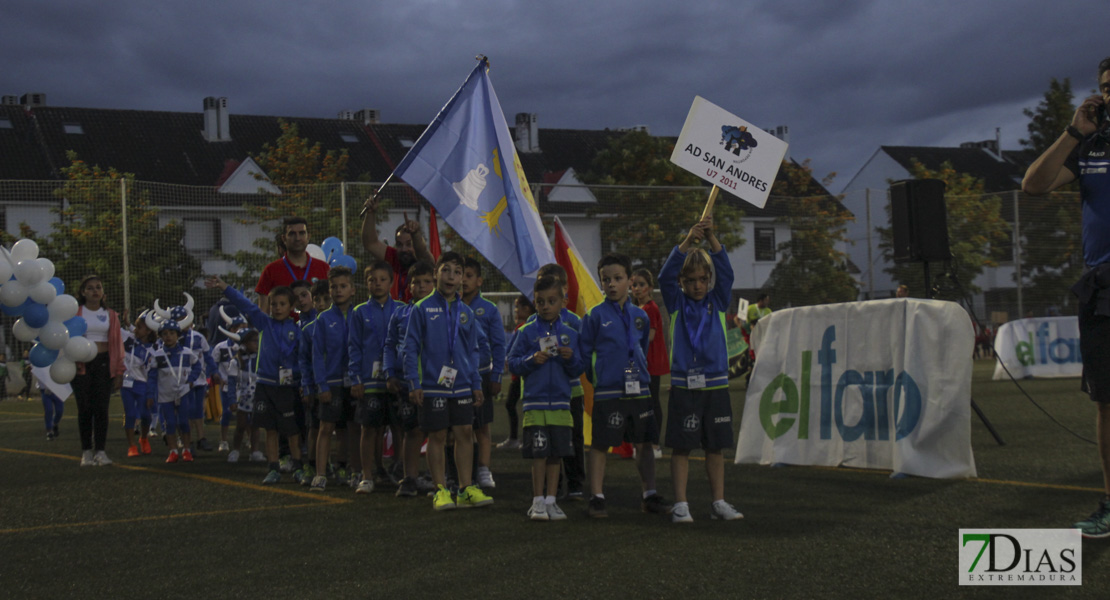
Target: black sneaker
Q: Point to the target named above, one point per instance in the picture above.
(50, 436)
(204, 444)
(596, 509)
(407, 489)
(655, 504)
(56, 434)
(574, 492)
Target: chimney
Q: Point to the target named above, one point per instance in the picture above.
(783, 133)
(9, 101)
(216, 126)
(33, 99)
(989, 146)
(369, 116)
(527, 133)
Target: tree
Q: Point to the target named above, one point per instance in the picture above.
(87, 238)
(309, 180)
(978, 236)
(647, 223)
(812, 269)
(1051, 239)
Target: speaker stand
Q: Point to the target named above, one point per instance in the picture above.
(978, 411)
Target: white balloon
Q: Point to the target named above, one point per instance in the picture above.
(28, 272)
(90, 351)
(24, 332)
(44, 292)
(62, 370)
(13, 293)
(77, 347)
(6, 270)
(315, 252)
(63, 308)
(47, 268)
(25, 250)
(54, 335)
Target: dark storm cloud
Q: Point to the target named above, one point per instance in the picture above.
(846, 76)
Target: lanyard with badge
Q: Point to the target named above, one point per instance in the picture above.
(448, 373)
(632, 372)
(549, 344)
(285, 374)
(289, 267)
(180, 368)
(695, 376)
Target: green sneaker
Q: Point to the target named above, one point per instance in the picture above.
(1098, 524)
(442, 500)
(285, 464)
(271, 478)
(307, 473)
(473, 497)
(342, 475)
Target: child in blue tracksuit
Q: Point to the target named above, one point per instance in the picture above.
(492, 358)
(318, 301)
(614, 343)
(421, 276)
(544, 356)
(365, 350)
(136, 363)
(174, 369)
(226, 356)
(441, 367)
(277, 369)
(697, 288)
(330, 376)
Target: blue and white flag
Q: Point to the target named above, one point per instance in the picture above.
(465, 165)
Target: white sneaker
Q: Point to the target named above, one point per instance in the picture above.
(681, 513)
(101, 459)
(233, 456)
(87, 459)
(554, 513)
(724, 511)
(366, 486)
(509, 444)
(538, 511)
(258, 456)
(485, 479)
(224, 447)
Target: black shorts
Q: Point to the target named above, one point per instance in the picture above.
(274, 409)
(483, 415)
(405, 412)
(699, 419)
(311, 410)
(1094, 345)
(375, 409)
(624, 420)
(440, 413)
(547, 441)
(339, 410)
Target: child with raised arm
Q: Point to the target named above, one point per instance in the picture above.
(441, 368)
(543, 355)
(697, 287)
(614, 343)
(276, 391)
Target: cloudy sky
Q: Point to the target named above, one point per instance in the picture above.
(846, 76)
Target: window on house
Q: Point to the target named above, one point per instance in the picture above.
(202, 236)
(73, 128)
(765, 244)
(5, 123)
(348, 137)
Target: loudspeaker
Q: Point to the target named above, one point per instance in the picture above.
(919, 221)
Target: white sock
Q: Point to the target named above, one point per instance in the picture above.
(649, 494)
(599, 496)
(678, 504)
(537, 499)
(720, 503)
(549, 500)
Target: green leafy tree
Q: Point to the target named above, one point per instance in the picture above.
(977, 235)
(1050, 117)
(309, 180)
(87, 238)
(812, 268)
(647, 223)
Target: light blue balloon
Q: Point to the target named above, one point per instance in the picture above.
(76, 326)
(41, 356)
(349, 262)
(332, 248)
(35, 314)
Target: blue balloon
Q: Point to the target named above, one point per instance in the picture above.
(41, 356)
(58, 285)
(76, 326)
(36, 315)
(16, 311)
(348, 261)
(332, 248)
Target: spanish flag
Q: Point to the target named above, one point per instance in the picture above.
(582, 294)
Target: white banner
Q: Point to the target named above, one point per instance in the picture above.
(1047, 347)
(884, 384)
(729, 152)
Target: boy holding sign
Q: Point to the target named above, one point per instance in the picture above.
(696, 288)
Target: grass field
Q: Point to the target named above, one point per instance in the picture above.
(211, 530)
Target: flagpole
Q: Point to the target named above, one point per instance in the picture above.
(712, 200)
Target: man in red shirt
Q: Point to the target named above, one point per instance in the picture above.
(410, 247)
(294, 265)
